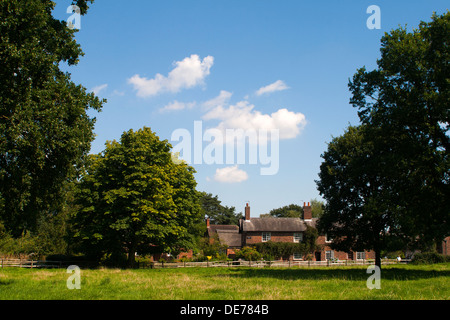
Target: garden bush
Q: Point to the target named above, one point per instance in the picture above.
(429, 258)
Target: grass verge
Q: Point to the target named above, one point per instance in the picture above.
(411, 282)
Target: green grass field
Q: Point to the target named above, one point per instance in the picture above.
(397, 282)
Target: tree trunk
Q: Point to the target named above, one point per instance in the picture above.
(378, 257)
(131, 257)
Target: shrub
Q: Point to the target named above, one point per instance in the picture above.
(276, 250)
(429, 258)
(212, 248)
(248, 254)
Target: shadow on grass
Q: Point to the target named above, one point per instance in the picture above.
(5, 282)
(338, 273)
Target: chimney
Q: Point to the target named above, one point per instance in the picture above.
(307, 212)
(247, 212)
(207, 222)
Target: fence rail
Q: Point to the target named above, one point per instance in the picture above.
(265, 264)
(23, 263)
(213, 264)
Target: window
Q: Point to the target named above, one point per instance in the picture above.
(350, 255)
(329, 255)
(265, 236)
(360, 255)
(328, 239)
(298, 237)
(298, 256)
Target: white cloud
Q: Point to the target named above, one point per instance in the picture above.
(243, 116)
(176, 105)
(230, 175)
(188, 73)
(220, 100)
(118, 93)
(96, 90)
(276, 86)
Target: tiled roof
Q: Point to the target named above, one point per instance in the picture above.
(276, 224)
(231, 239)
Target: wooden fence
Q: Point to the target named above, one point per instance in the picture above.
(213, 264)
(23, 263)
(267, 264)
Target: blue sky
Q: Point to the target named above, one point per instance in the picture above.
(166, 64)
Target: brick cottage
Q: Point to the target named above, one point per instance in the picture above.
(255, 230)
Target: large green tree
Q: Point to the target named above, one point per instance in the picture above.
(406, 102)
(45, 129)
(289, 211)
(317, 207)
(358, 214)
(386, 183)
(216, 212)
(134, 198)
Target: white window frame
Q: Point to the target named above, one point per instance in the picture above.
(266, 236)
(327, 239)
(358, 255)
(329, 255)
(299, 256)
(298, 237)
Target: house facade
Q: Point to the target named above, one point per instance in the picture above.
(255, 230)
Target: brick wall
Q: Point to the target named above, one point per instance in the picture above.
(445, 246)
(250, 238)
(341, 255)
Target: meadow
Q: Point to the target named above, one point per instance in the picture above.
(398, 282)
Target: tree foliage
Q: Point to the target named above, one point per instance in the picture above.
(289, 211)
(386, 182)
(134, 198)
(317, 208)
(211, 247)
(405, 102)
(357, 215)
(45, 130)
(248, 254)
(216, 212)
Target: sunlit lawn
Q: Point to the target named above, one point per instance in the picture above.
(397, 282)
